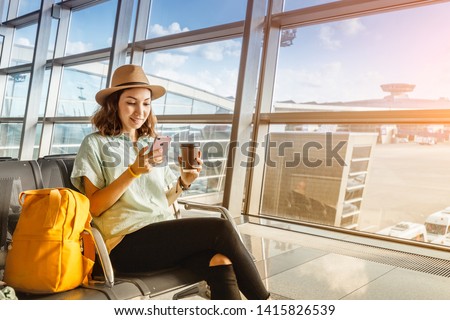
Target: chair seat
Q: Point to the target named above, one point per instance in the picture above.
(122, 290)
(161, 281)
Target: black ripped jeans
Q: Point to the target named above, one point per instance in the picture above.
(191, 242)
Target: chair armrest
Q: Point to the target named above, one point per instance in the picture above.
(214, 208)
(103, 255)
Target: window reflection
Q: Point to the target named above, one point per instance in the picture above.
(81, 37)
(80, 83)
(23, 45)
(369, 178)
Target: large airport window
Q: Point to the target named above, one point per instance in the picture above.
(10, 134)
(390, 179)
(23, 45)
(379, 62)
(27, 6)
(206, 72)
(190, 15)
(79, 85)
(81, 37)
(67, 137)
(16, 95)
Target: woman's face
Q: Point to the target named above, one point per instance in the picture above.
(134, 108)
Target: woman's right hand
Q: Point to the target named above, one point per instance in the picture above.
(145, 161)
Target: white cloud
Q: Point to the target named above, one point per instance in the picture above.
(24, 42)
(352, 27)
(222, 82)
(167, 61)
(171, 66)
(158, 30)
(303, 85)
(176, 28)
(217, 50)
(329, 34)
(78, 47)
(211, 66)
(326, 36)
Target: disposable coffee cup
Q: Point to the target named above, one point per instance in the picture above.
(189, 153)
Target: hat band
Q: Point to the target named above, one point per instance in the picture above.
(132, 84)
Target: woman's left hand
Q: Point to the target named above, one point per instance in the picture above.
(188, 177)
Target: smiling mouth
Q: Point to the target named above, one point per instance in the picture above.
(136, 119)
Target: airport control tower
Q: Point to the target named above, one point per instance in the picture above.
(397, 89)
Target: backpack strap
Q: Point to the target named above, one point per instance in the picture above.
(86, 236)
(88, 250)
(81, 202)
(54, 204)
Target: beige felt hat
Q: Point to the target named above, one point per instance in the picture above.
(129, 76)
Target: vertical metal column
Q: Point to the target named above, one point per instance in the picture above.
(36, 80)
(121, 35)
(263, 105)
(245, 102)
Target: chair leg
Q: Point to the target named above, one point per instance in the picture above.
(200, 289)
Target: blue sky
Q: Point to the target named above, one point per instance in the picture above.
(349, 60)
(196, 14)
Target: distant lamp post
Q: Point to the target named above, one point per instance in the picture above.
(287, 37)
(82, 98)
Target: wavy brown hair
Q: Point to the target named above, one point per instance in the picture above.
(106, 118)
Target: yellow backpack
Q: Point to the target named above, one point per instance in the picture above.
(52, 246)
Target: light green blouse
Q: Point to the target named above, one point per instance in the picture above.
(102, 160)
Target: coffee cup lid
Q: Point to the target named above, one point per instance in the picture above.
(190, 144)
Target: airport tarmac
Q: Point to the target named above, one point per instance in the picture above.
(406, 182)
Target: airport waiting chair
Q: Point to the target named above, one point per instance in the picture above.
(15, 177)
(151, 283)
(7, 158)
(56, 170)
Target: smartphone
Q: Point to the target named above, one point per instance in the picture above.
(162, 142)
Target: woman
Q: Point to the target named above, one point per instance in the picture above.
(130, 202)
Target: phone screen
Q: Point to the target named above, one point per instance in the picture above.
(162, 142)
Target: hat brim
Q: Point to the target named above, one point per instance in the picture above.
(157, 91)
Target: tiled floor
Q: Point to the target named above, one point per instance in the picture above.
(298, 266)
(294, 268)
